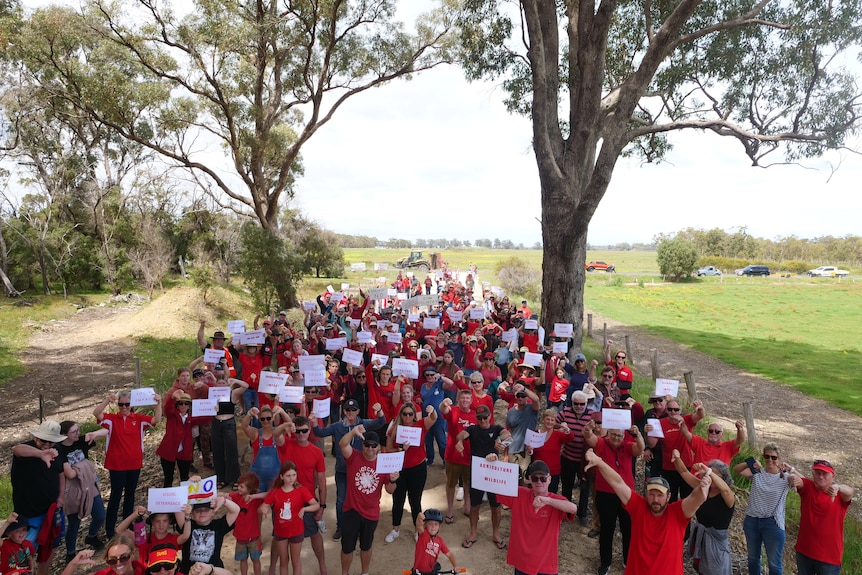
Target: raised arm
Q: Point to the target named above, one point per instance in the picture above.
(623, 491)
(202, 342)
(99, 410)
(741, 434)
(698, 496)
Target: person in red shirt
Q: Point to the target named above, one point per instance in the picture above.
(674, 439)
(247, 526)
(457, 463)
(429, 544)
(705, 450)
(624, 378)
(362, 500)
(480, 397)
(17, 553)
(658, 525)
(288, 501)
(820, 543)
(124, 451)
(252, 362)
(556, 436)
(161, 532)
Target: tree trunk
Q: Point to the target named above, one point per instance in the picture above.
(43, 269)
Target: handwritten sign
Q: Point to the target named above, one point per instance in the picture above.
(345, 286)
(563, 329)
(561, 347)
(204, 407)
(201, 491)
(290, 394)
(357, 267)
(143, 396)
(657, 431)
(531, 324)
(212, 355)
(315, 378)
(407, 367)
(352, 357)
(455, 315)
(236, 326)
(271, 382)
(336, 343)
(534, 439)
(382, 358)
(477, 313)
(168, 500)
(666, 387)
(381, 267)
(390, 462)
(320, 408)
(336, 297)
(378, 293)
(393, 336)
(409, 435)
(311, 362)
(219, 393)
(364, 336)
(534, 359)
(510, 335)
(257, 336)
(353, 322)
(431, 323)
(309, 305)
(494, 476)
(616, 418)
(412, 318)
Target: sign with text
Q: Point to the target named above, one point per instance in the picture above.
(412, 318)
(212, 355)
(494, 476)
(315, 377)
(666, 387)
(534, 439)
(257, 336)
(364, 336)
(311, 362)
(204, 407)
(510, 335)
(409, 435)
(381, 267)
(455, 315)
(561, 347)
(271, 382)
(563, 329)
(219, 394)
(236, 326)
(143, 396)
(381, 357)
(358, 267)
(168, 500)
(408, 367)
(531, 324)
(431, 323)
(336, 343)
(378, 293)
(345, 286)
(390, 462)
(353, 322)
(352, 357)
(393, 336)
(534, 359)
(201, 491)
(616, 418)
(477, 313)
(320, 408)
(336, 297)
(309, 305)
(656, 431)
(290, 394)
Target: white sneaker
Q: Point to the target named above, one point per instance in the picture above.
(321, 526)
(393, 535)
(459, 495)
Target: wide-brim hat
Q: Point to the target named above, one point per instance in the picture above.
(49, 431)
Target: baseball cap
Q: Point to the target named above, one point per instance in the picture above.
(371, 436)
(538, 466)
(823, 465)
(489, 355)
(483, 410)
(580, 357)
(351, 404)
(658, 484)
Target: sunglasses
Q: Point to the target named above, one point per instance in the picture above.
(360, 377)
(714, 431)
(161, 567)
(820, 462)
(124, 404)
(621, 357)
(351, 409)
(266, 419)
(770, 457)
(124, 558)
(673, 409)
(578, 403)
(539, 478)
(179, 403)
(306, 430)
(408, 413)
(371, 445)
(483, 417)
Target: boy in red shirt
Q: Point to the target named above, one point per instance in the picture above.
(430, 544)
(247, 526)
(17, 554)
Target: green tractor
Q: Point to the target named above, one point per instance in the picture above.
(415, 261)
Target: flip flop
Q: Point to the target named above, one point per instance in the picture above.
(501, 544)
(467, 543)
(450, 519)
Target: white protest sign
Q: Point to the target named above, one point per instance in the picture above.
(494, 476)
(271, 382)
(257, 336)
(236, 326)
(311, 362)
(353, 322)
(616, 418)
(290, 394)
(534, 439)
(168, 500)
(364, 336)
(204, 407)
(358, 267)
(212, 355)
(309, 305)
(402, 296)
(477, 313)
(666, 387)
(391, 291)
(330, 289)
(336, 343)
(561, 347)
(393, 336)
(378, 293)
(657, 431)
(510, 335)
(408, 367)
(219, 394)
(381, 267)
(431, 323)
(428, 299)
(563, 329)
(143, 396)
(390, 462)
(531, 324)
(352, 357)
(412, 318)
(455, 315)
(409, 435)
(534, 359)
(321, 408)
(345, 286)
(336, 297)
(201, 491)
(315, 377)
(381, 357)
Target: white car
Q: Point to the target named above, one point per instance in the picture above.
(828, 272)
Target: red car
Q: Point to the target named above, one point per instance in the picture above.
(593, 266)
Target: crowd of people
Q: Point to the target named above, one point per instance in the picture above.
(471, 352)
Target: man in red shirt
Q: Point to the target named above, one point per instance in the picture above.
(457, 463)
(658, 525)
(674, 439)
(705, 450)
(362, 500)
(820, 543)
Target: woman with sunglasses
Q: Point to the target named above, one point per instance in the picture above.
(764, 515)
(124, 450)
(177, 446)
(120, 555)
(411, 481)
(265, 443)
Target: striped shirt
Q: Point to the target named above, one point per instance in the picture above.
(768, 495)
(574, 450)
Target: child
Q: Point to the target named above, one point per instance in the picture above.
(159, 533)
(17, 554)
(430, 544)
(290, 500)
(247, 527)
(207, 534)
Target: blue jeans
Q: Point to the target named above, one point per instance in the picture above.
(249, 400)
(121, 482)
(340, 494)
(808, 566)
(763, 531)
(437, 433)
(73, 524)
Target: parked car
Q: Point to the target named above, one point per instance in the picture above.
(828, 272)
(593, 266)
(755, 271)
(708, 271)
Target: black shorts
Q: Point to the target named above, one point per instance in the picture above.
(355, 527)
(310, 523)
(476, 497)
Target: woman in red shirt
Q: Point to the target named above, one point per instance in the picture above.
(555, 437)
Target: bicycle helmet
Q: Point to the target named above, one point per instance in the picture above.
(434, 515)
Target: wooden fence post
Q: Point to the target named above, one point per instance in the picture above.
(590, 325)
(605, 336)
(749, 424)
(137, 372)
(689, 384)
(654, 366)
(631, 359)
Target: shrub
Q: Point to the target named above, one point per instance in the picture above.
(677, 258)
(518, 277)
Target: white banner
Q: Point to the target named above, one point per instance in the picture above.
(290, 394)
(352, 357)
(168, 500)
(477, 313)
(220, 393)
(236, 326)
(390, 462)
(561, 347)
(315, 378)
(412, 318)
(204, 407)
(212, 355)
(657, 431)
(534, 359)
(510, 335)
(143, 396)
(364, 336)
(271, 382)
(455, 315)
(431, 323)
(535, 439)
(378, 293)
(321, 408)
(257, 336)
(616, 418)
(409, 435)
(667, 387)
(336, 297)
(563, 329)
(393, 336)
(531, 324)
(336, 343)
(408, 367)
(494, 476)
(311, 362)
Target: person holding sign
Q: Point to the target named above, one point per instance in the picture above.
(485, 441)
(623, 376)
(457, 463)
(207, 533)
(362, 501)
(618, 449)
(658, 525)
(223, 432)
(554, 436)
(674, 439)
(411, 481)
(218, 340)
(177, 446)
(523, 416)
(160, 532)
(124, 450)
(534, 538)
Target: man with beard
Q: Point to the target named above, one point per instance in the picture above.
(658, 526)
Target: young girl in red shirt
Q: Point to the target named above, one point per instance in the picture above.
(288, 501)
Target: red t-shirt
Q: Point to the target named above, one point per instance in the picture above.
(308, 460)
(674, 439)
(558, 390)
(704, 452)
(486, 400)
(14, 556)
(124, 446)
(247, 526)
(550, 451)
(285, 510)
(821, 525)
(364, 486)
(414, 455)
(531, 342)
(251, 365)
(661, 552)
(535, 533)
(624, 377)
(169, 540)
(619, 459)
(427, 550)
(457, 422)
